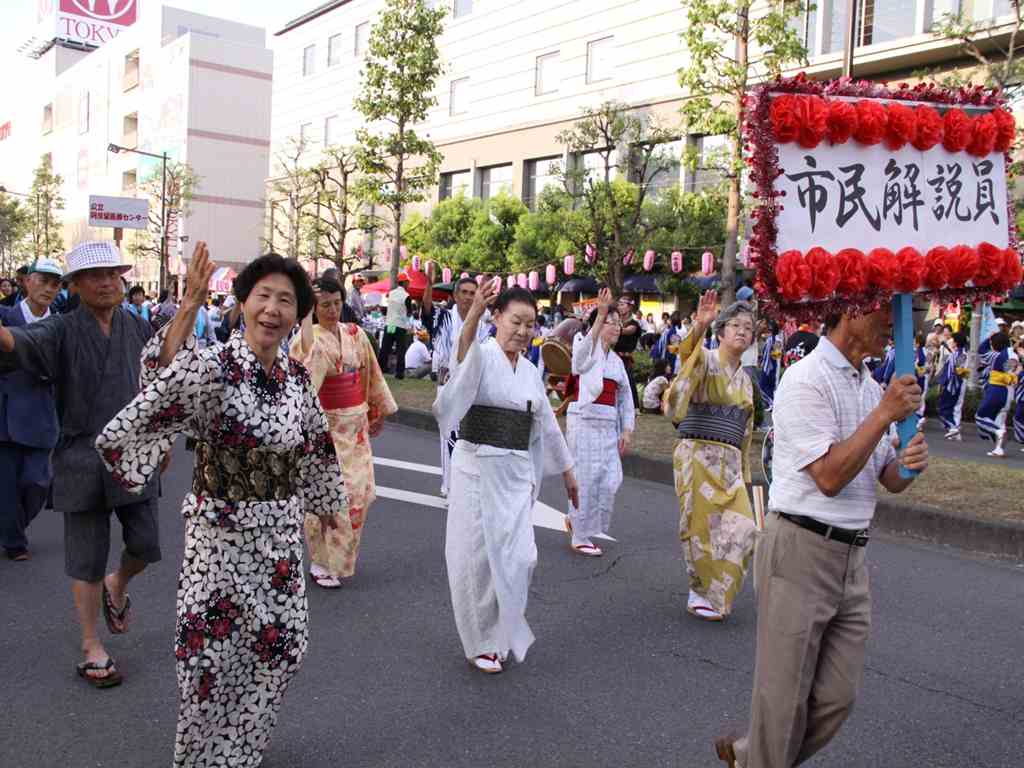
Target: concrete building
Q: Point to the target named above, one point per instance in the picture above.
(518, 72)
(193, 86)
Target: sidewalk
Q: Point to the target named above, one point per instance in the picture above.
(971, 501)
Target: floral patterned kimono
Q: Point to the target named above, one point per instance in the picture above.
(242, 614)
(346, 360)
(716, 524)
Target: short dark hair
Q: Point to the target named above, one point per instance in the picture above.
(23, 270)
(275, 264)
(592, 316)
(135, 289)
(512, 295)
(831, 321)
(461, 281)
(961, 339)
(329, 285)
(1000, 341)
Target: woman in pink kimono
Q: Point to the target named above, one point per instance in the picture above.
(356, 399)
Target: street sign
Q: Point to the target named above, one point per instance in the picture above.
(118, 212)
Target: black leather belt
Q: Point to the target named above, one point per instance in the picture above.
(842, 535)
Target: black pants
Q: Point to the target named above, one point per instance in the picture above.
(24, 482)
(397, 341)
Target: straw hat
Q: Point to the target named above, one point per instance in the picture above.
(95, 254)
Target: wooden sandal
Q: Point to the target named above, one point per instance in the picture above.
(117, 620)
(111, 679)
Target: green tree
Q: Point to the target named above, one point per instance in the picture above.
(292, 191)
(542, 236)
(730, 46)
(627, 151)
(401, 69)
(691, 222)
(15, 228)
(181, 184)
(46, 198)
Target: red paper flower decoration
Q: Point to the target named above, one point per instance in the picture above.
(956, 130)
(883, 269)
(936, 273)
(912, 270)
(902, 127)
(786, 115)
(852, 266)
(990, 264)
(842, 121)
(929, 129)
(793, 275)
(815, 122)
(824, 273)
(1006, 129)
(963, 264)
(872, 120)
(983, 140)
(1013, 271)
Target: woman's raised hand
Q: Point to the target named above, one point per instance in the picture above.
(707, 308)
(197, 279)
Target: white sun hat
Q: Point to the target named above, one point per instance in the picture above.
(95, 254)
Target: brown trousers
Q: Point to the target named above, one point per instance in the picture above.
(813, 618)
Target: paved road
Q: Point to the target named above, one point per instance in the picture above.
(620, 675)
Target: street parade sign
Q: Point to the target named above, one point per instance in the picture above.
(118, 212)
(870, 193)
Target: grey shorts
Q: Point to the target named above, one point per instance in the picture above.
(87, 538)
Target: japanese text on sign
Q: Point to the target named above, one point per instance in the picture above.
(118, 212)
(851, 196)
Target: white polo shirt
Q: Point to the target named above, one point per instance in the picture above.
(822, 400)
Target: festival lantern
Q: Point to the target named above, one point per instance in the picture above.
(551, 274)
(510, 281)
(677, 261)
(403, 252)
(479, 279)
(590, 254)
(628, 258)
(707, 263)
(464, 275)
(649, 258)
(429, 266)
(569, 266)
(534, 281)
(416, 263)
(947, 253)
(521, 280)
(446, 275)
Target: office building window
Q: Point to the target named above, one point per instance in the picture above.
(934, 10)
(362, 35)
(548, 77)
(83, 168)
(495, 180)
(462, 8)
(599, 59)
(333, 50)
(306, 135)
(455, 183)
(131, 71)
(308, 60)
(1002, 8)
(331, 131)
(805, 23)
(130, 130)
(459, 96)
(129, 182)
(883, 21)
(538, 175)
(714, 152)
(48, 118)
(663, 170)
(593, 165)
(83, 112)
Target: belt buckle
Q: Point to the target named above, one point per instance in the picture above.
(861, 539)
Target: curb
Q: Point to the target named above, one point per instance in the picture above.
(908, 520)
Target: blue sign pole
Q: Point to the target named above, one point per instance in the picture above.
(903, 335)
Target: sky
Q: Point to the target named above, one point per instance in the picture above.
(19, 18)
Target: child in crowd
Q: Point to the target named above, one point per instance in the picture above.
(657, 385)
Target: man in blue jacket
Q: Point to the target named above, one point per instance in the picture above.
(28, 421)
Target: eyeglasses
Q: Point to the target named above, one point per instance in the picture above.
(738, 327)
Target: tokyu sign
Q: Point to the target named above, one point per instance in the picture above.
(90, 22)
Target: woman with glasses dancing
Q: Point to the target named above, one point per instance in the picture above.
(600, 424)
(711, 403)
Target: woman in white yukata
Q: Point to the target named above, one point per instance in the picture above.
(600, 424)
(508, 440)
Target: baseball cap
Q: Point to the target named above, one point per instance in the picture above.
(46, 267)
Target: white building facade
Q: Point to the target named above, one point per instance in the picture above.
(193, 86)
(518, 72)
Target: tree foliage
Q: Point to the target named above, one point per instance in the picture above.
(181, 184)
(291, 193)
(470, 234)
(402, 66)
(15, 230)
(731, 45)
(46, 201)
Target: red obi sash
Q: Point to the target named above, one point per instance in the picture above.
(342, 390)
(607, 396)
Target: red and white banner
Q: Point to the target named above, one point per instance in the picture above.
(90, 22)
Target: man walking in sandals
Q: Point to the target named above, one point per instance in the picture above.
(92, 355)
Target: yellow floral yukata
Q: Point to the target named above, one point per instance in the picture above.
(333, 354)
(716, 524)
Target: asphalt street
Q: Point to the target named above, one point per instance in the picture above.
(620, 674)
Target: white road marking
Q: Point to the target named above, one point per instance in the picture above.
(544, 515)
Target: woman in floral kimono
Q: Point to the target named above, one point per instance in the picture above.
(711, 403)
(264, 459)
(599, 426)
(508, 440)
(355, 397)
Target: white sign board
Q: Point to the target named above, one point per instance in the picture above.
(118, 212)
(864, 197)
(89, 22)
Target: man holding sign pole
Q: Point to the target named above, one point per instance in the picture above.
(833, 445)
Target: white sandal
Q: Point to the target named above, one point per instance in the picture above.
(325, 580)
(487, 663)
